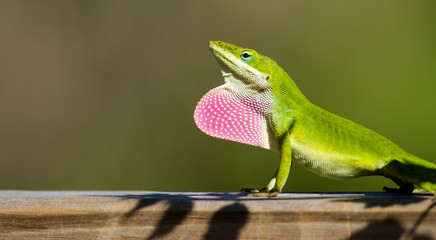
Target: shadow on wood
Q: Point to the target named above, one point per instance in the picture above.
(230, 218)
(227, 222)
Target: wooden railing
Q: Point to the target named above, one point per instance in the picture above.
(214, 215)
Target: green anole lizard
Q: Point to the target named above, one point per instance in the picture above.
(259, 104)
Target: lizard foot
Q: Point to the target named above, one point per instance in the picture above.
(264, 194)
(398, 190)
(249, 190)
(260, 193)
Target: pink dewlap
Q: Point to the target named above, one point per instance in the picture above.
(223, 115)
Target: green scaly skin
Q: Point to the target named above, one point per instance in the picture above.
(321, 141)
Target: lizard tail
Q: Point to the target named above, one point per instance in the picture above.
(411, 171)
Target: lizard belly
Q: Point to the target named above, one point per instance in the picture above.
(335, 147)
(337, 165)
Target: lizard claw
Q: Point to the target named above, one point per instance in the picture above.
(249, 190)
(264, 192)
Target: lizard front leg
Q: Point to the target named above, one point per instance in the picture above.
(276, 184)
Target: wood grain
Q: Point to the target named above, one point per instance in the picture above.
(214, 215)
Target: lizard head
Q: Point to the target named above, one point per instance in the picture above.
(240, 109)
(242, 64)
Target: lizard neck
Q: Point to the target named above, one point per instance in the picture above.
(288, 101)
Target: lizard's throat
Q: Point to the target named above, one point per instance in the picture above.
(225, 71)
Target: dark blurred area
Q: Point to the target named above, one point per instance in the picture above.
(100, 94)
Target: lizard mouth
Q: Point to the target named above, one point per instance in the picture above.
(224, 57)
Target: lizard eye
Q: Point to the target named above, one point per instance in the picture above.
(246, 57)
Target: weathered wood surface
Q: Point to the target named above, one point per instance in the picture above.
(214, 215)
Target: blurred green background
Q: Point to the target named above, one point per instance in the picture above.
(100, 94)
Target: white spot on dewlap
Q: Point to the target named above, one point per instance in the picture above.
(252, 131)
